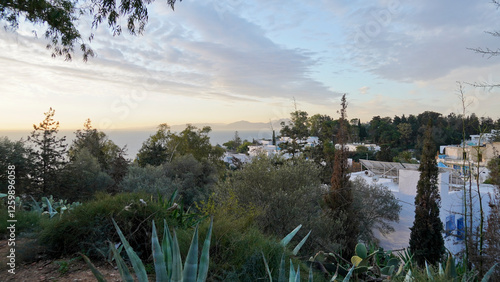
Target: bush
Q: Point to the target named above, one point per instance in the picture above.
(236, 251)
(88, 227)
(284, 194)
(237, 242)
(147, 179)
(27, 222)
(193, 179)
(83, 177)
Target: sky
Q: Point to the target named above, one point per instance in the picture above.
(230, 60)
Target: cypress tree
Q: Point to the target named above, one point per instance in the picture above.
(340, 199)
(426, 239)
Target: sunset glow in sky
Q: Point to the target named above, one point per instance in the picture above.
(229, 60)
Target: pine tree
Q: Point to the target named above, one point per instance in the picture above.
(426, 239)
(48, 155)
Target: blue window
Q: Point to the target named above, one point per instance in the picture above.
(460, 229)
(450, 224)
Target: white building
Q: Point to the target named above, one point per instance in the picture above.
(230, 158)
(352, 147)
(265, 146)
(402, 180)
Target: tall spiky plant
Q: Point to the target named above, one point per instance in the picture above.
(167, 258)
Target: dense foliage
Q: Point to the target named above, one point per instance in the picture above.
(394, 135)
(18, 154)
(89, 227)
(193, 179)
(164, 146)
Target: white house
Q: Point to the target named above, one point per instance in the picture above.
(351, 147)
(402, 181)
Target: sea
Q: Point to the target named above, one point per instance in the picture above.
(133, 139)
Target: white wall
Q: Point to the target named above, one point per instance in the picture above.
(451, 204)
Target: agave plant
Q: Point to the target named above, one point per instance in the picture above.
(294, 275)
(167, 258)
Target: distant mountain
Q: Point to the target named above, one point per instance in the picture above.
(246, 125)
(241, 125)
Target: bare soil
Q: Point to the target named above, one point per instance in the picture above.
(64, 269)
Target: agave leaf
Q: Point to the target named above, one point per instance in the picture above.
(172, 197)
(191, 264)
(409, 276)
(450, 270)
(291, 276)
(289, 237)
(348, 276)
(267, 268)
(3, 195)
(440, 270)
(158, 257)
(122, 266)
(297, 275)
(97, 274)
(311, 278)
(488, 274)
(301, 243)
(37, 206)
(205, 255)
(176, 275)
(282, 275)
(167, 248)
(52, 212)
(428, 272)
(137, 264)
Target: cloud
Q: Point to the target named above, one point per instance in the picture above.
(364, 90)
(197, 47)
(419, 40)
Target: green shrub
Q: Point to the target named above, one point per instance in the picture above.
(284, 194)
(236, 251)
(193, 179)
(237, 244)
(88, 227)
(27, 222)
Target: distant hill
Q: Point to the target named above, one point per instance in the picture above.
(241, 125)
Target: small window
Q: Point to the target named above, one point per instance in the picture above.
(460, 229)
(450, 224)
